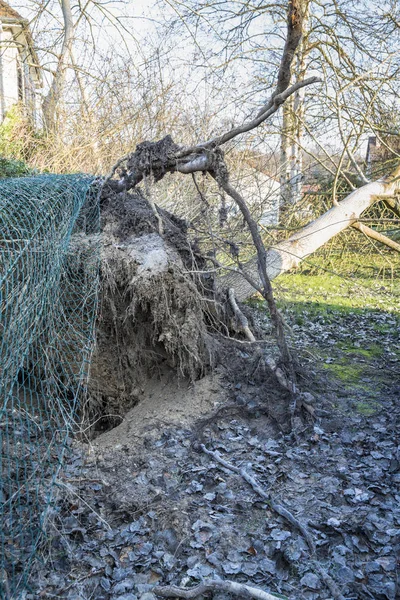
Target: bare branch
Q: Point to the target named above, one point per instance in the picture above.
(376, 235)
(232, 587)
(273, 105)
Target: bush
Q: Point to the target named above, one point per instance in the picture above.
(10, 167)
(17, 135)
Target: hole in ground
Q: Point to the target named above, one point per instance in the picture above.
(165, 401)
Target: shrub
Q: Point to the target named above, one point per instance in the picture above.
(10, 167)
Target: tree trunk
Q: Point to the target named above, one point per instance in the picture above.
(55, 93)
(285, 152)
(291, 160)
(288, 254)
(296, 168)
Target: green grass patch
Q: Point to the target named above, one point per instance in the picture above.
(350, 374)
(354, 377)
(367, 408)
(348, 321)
(370, 352)
(317, 293)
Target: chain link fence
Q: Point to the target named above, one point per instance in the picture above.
(49, 276)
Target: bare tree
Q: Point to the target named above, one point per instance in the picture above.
(205, 157)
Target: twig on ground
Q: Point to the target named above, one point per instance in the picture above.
(283, 512)
(239, 589)
(69, 488)
(330, 583)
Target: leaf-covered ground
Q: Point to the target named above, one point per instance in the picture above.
(349, 328)
(131, 517)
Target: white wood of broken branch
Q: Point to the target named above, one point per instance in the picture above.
(288, 254)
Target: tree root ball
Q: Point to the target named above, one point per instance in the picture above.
(154, 313)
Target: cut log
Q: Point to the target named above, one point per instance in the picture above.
(288, 254)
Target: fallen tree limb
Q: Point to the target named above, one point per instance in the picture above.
(190, 159)
(196, 158)
(330, 583)
(283, 512)
(375, 235)
(238, 589)
(276, 101)
(288, 254)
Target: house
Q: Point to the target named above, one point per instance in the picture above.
(381, 152)
(20, 74)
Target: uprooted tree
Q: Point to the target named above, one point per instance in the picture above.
(177, 313)
(162, 298)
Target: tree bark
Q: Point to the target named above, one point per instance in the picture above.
(286, 133)
(296, 167)
(375, 235)
(288, 254)
(51, 101)
(291, 160)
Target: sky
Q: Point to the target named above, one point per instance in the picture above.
(135, 28)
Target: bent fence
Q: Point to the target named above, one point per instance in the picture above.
(48, 301)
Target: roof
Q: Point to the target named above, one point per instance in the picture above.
(9, 13)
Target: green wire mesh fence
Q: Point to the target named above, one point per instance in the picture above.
(49, 275)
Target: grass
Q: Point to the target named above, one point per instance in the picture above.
(367, 409)
(323, 286)
(350, 374)
(320, 292)
(349, 322)
(372, 351)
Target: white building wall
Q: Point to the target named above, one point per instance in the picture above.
(8, 71)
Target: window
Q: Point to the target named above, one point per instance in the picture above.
(21, 82)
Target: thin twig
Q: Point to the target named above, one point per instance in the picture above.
(239, 589)
(280, 510)
(283, 512)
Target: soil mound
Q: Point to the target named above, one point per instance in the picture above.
(156, 313)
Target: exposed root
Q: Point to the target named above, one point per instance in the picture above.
(156, 311)
(241, 319)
